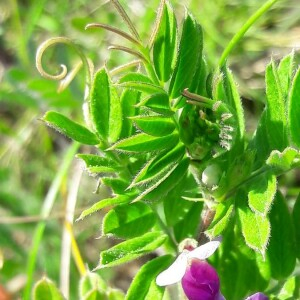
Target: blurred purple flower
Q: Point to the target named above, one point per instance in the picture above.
(257, 296)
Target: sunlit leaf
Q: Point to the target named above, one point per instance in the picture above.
(283, 161)
(255, 228)
(188, 56)
(119, 199)
(145, 143)
(105, 107)
(164, 47)
(143, 285)
(98, 164)
(294, 110)
(71, 129)
(154, 124)
(262, 192)
(45, 289)
(128, 221)
(131, 249)
(221, 218)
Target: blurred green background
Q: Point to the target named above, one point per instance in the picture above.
(31, 154)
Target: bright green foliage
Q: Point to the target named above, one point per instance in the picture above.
(90, 282)
(131, 249)
(45, 289)
(143, 142)
(164, 45)
(294, 110)
(71, 129)
(128, 221)
(188, 56)
(105, 108)
(288, 290)
(296, 220)
(255, 228)
(281, 250)
(221, 219)
(143, 285)
(262, 192)
(173, 149)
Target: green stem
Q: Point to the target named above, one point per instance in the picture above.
(45, 212)
(239, 35)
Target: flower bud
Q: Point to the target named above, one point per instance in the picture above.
(201, 281)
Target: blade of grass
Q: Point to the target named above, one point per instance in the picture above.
(45, 212)
(240, 34)
(67, 234)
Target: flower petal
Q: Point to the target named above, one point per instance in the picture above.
(175, 272)
(201, 281)
(257, 296)
(205, 250)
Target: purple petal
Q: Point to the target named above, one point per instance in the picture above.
(201, 281)
(258, 296)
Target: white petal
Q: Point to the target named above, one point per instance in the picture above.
(175, 272)
(205, 250)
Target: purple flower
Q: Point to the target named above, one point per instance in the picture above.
(257, 296)
(199, 279)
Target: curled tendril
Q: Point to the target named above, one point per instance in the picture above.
(62, 76)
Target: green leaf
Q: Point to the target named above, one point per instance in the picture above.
(131, 249)
(71, 129)
(118, 200)
(135, 77)
(281, 250)
(282, 162)
(129, 98)
(105, 107)
(45, 289)
(255, 228)
(261, 194)
(159, 165)
(159, 103)
(155, 125)
(118, 185)
(143, 142)
(296, 219)
(128, 221)
(165, 43)
(162, 187)
(190, 51)
(275, 110)
(95, 295)
(90, 282)
(294, 110)
(288, 289)
(285, 73)
(143, 285)
(221, 218)
(189, 225)
(98, 164)
(145, 87)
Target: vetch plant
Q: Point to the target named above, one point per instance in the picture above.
(170, 143)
